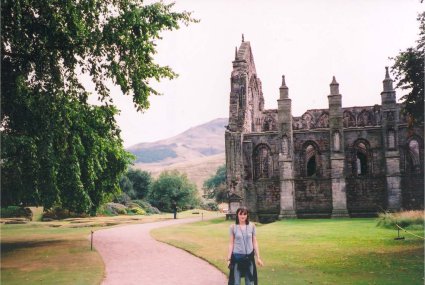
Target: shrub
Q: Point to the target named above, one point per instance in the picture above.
(116, 208)
(173, 187)
(105, 211)
(150, 210)
(16, 212)
(209, 206)
(136, 211)
(122, 198)
(403, 219)
(58, 213)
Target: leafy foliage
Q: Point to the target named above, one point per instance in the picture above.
(58, 150)
(127, 187)
(16, 212)
(135, 183)
(172, 186)
(147, 207)
(141, 181)
(409, 74)
(215, 186)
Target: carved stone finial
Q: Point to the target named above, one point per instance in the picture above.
(387, 74)
(388, 82)
(243, 38)
(236, 52)
(334, 87)
(284, 90)
(283, 82)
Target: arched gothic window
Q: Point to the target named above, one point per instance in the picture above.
(263, 162)
(269, 124)
(414, 157)
(360, 159)
(310, 159)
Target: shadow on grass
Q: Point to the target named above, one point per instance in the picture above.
(7, 247)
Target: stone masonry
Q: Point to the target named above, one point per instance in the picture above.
(334, 162)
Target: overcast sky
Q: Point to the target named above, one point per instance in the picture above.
(307, 41)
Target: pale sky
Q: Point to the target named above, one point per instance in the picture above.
(307, 41)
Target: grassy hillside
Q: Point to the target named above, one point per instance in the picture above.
(198, 152)
(197, 142)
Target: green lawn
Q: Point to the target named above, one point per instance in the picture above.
(36, 253)
(58, 252)
(332, 251)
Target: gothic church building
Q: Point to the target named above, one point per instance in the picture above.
(334, 162)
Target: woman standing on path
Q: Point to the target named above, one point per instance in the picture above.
(243, 246)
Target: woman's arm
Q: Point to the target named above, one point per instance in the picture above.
(229, 254)
(257, 250)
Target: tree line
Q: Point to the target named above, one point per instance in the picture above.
(171, 187)
(58, 150)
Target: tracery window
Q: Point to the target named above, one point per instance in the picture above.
(414, 158)
(360, 160)
(263, 162)
(269, 124)
(311, 161)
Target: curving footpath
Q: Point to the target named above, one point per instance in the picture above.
(132, 256)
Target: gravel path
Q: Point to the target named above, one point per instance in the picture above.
(132, 256)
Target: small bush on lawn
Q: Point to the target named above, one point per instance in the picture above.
(105, 211)
(16, 212)
(209, 206)
(116, 208)
(136, 211)
(411, 219)
(149, 209)
(122, 198)
(58, 213)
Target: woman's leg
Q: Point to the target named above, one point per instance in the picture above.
(251, 269)
(237, 275)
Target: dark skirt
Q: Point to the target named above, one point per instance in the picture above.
(243, 267)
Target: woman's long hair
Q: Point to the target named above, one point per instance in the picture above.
(242, 210)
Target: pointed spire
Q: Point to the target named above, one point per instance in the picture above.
(283, 90)
(387, 74)
(236, 53)
(388, 82)
(243, 38)
(334, 87)
(283, 82)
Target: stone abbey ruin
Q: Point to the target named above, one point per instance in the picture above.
(335, 162)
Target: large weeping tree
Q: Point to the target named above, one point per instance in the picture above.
(57, 149)
(409, 74)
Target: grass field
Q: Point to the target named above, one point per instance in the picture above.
(343, 251)
(58, 252)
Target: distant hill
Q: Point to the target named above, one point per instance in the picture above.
(200, 141)
(199, 151)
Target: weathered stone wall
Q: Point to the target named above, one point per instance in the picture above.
(261, 174)
(412, 192)
(268, 198)
(313, 197)
(366, 195)
(372, 139)
(320, 140)
(412, 178)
